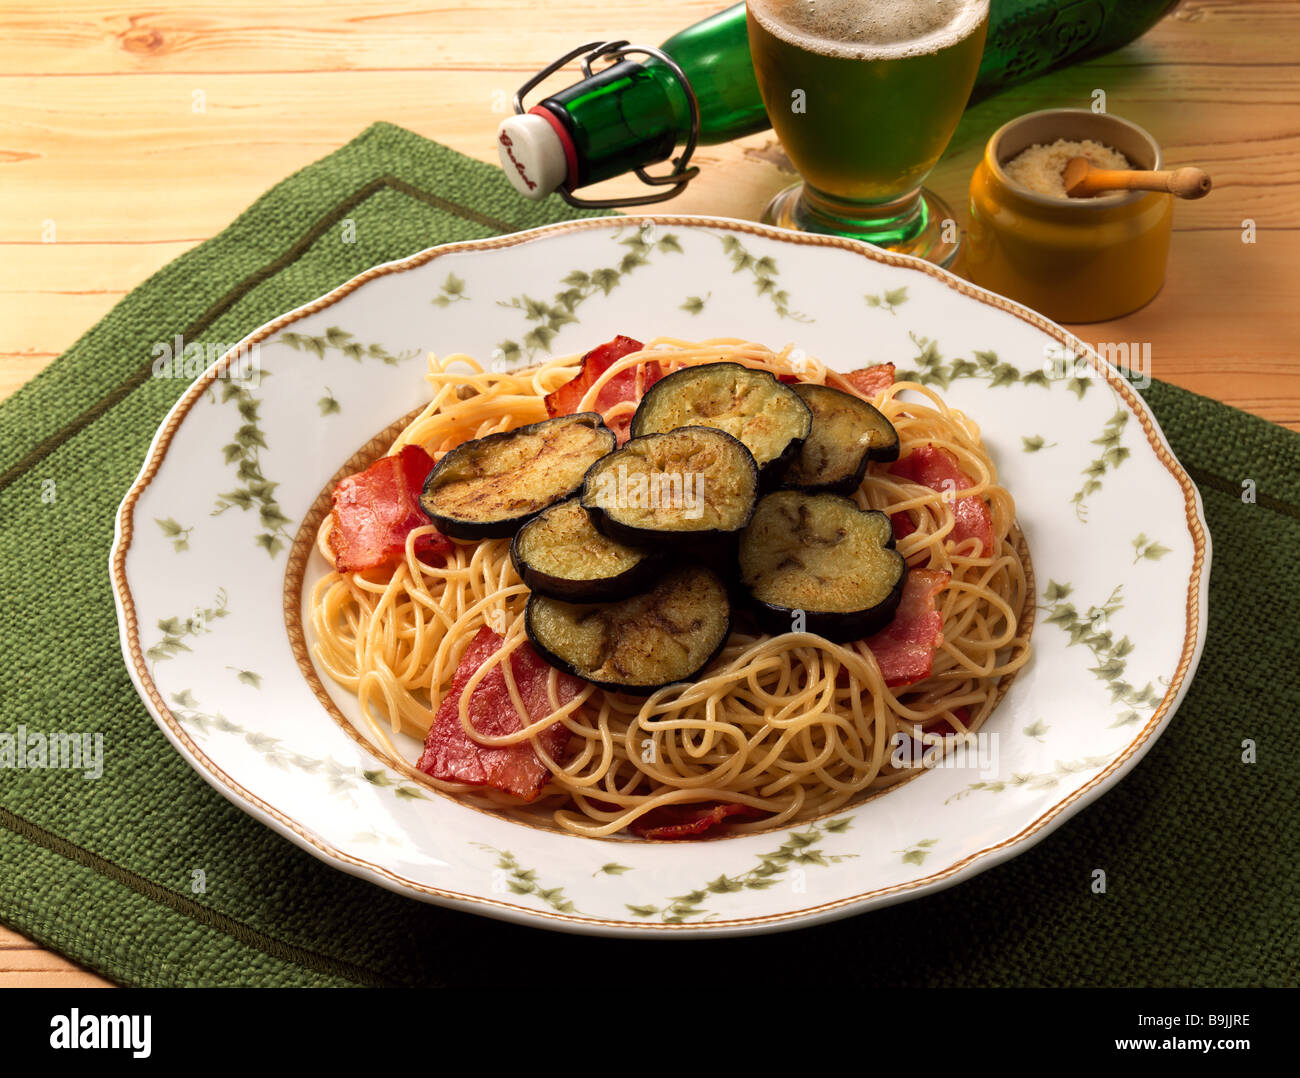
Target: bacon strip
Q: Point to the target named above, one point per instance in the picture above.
(937, 468)
(622, 387)
(451, 754)
(944, 727)
(374, 511)
(687, 821)
(903, 525)
(871, 381)
(904, 649)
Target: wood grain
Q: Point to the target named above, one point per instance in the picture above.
(100, 139)
(24, 964)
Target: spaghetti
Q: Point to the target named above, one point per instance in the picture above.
(792, 726)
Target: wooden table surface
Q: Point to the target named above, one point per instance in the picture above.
(110, 168)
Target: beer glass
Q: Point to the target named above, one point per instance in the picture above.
(865, 95)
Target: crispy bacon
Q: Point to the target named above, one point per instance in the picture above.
(871, 381)
(903, 525)
(374, 511)
(451, 754)
(943, 727)
(622, 387)
(904, 649)
(937, 468)
(688, 821)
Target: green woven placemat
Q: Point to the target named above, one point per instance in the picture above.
(1199, 848)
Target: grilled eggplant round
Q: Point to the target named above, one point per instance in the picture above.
(665, 635)
(751, 405)
(487, 488)
(561, 554)
(847, 433)
(692, 487)
(819, 562)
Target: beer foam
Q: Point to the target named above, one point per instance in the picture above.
(870, 29)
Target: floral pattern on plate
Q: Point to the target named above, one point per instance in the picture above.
(1113, 524)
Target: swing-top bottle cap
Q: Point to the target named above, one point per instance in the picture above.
(536, 152)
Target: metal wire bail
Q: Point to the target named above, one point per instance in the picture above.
(683, 171)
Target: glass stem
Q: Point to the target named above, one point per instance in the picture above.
(888, 224)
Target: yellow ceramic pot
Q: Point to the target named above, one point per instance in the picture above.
(1074, 260)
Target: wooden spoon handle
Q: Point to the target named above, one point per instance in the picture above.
(1181, 182)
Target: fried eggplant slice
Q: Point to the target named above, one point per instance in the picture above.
(561, 554)
(751, 405)
(662, 636)
(686, 488)
(820, 562)
(847, 433)
(487, 488)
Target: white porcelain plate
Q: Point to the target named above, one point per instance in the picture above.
(202, 558)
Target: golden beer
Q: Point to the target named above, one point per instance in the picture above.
(865, 95)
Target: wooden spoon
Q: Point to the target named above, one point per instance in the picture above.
(1083, 180)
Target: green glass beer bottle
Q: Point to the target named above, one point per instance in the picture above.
(699, 87)
(1028, 38)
